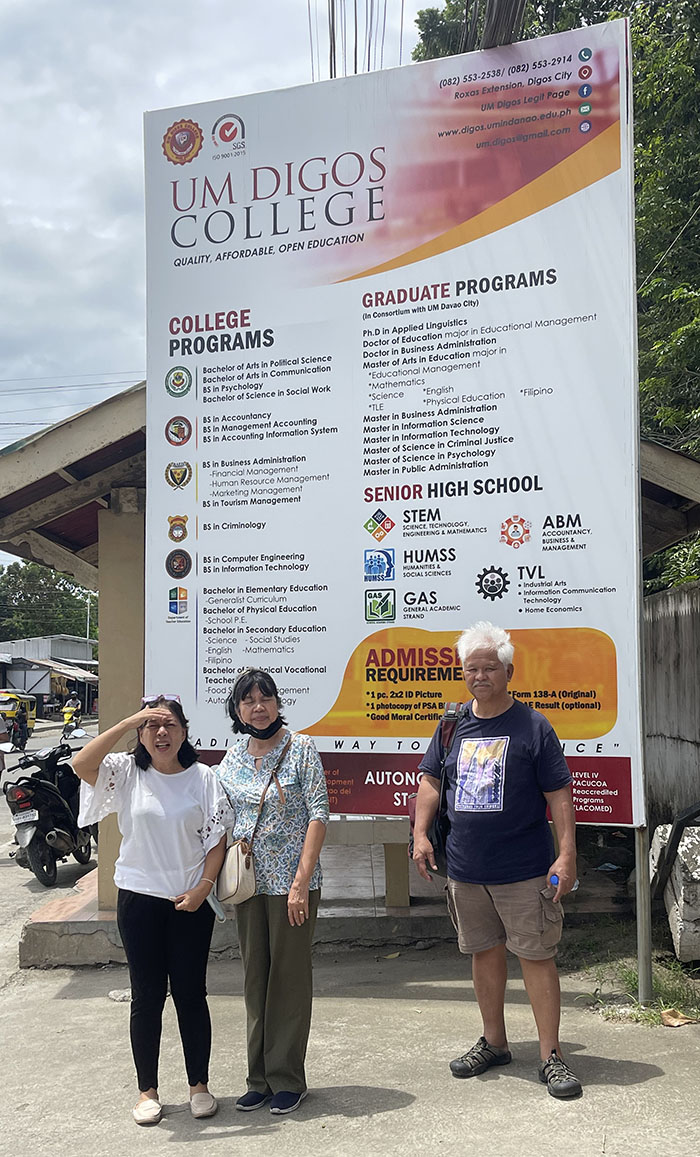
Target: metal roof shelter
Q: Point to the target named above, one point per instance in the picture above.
(53, 483)
(78, 674)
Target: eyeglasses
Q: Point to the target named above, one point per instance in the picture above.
(148, 699)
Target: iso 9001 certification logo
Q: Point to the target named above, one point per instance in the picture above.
(228, 136)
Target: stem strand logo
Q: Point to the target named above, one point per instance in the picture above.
(182, 142)
(379, 525)
(492, 583)
(515, 531)
(380, 606)
(178, 381)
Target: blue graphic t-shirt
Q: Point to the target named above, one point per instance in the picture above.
(497, 771)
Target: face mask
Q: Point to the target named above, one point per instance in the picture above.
(266, 733)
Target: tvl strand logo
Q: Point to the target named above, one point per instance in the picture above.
(379, 525)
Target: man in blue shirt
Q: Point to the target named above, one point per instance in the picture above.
(504, 767)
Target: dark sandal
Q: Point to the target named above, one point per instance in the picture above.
(478, 1059)
(558, 1077)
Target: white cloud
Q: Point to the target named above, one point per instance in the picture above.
(77, 78)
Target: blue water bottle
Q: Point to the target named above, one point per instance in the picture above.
(554, 879)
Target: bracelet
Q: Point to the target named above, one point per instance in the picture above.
(212, 882)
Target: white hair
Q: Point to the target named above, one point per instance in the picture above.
(485, 634)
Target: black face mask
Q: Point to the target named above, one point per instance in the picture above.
(266, 733)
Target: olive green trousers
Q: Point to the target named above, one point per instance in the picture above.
(278, 991)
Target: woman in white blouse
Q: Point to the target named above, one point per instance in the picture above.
(276, 925)
(173, 816)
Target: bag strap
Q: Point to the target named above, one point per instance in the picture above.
(452, 716)
(272, 776)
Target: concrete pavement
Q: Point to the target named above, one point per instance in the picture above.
(384, 1031)
(385, 1028)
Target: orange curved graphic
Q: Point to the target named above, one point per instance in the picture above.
(397, 680)
(595, 160)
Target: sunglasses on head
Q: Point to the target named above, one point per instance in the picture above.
(147, 700)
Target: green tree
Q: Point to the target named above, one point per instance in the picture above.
(35, 601)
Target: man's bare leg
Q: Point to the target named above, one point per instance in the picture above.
(489, 973)
(542, 985)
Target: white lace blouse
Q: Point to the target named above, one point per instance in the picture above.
(168, 822)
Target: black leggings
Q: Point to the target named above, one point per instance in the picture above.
(163, 944)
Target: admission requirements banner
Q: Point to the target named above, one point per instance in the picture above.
(391, 391)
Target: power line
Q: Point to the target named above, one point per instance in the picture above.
(664, 255)
(69, 388)
(58, 377)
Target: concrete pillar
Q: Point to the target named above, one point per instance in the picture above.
(121, 569)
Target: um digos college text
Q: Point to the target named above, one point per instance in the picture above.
(213, 213)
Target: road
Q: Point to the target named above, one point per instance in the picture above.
(20, 891)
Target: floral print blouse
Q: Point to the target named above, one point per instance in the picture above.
(282, 828)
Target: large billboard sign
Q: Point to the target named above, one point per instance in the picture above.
(391, 391)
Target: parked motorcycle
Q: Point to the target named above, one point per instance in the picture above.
(44, 808)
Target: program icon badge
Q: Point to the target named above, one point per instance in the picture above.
(379, 525)
(380, 606)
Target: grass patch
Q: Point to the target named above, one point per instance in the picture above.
(614, 995)
(604, 953)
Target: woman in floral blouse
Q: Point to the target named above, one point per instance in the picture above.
(276, 925)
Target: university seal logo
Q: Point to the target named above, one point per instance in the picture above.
(177, 528)
(178, 564)
(178, 381)
(182, 142)
(178, 430)
(178, 474)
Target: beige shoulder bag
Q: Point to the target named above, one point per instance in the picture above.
(236, 881)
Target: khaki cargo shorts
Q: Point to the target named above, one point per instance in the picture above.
(522, 916)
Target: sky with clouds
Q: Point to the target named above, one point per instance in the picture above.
(77, 76)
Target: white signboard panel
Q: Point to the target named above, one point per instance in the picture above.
(391, 391)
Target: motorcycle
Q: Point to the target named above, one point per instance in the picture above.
(14, 731)
(44, 808)
(70, 727)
